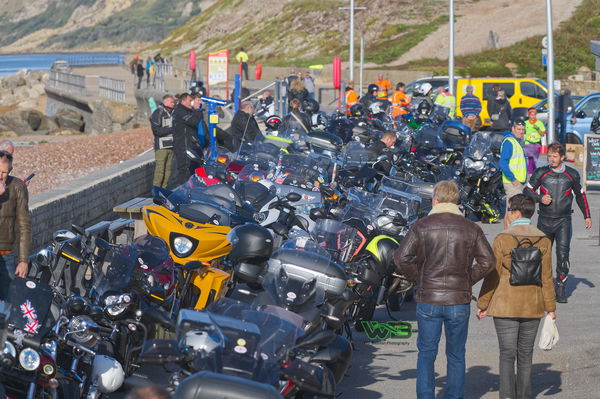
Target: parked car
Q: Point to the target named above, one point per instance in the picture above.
(60, 66)
(542, 108)
(584, 112)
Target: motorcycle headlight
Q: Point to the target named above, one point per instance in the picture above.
(9, 349)
(182, 245)
(29, 359)
(116, 304)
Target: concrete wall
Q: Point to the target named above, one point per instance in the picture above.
(60, 99)
(91, 198)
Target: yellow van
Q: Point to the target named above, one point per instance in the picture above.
(522, 92)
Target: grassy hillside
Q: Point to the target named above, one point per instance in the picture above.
(301, 33)
(571, 47)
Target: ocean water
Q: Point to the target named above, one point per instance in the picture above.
(12, 63)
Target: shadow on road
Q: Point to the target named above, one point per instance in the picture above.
(573, 283)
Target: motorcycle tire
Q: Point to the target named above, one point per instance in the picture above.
(365, 311)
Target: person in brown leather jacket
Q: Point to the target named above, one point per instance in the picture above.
(14, 211)
(437, 255)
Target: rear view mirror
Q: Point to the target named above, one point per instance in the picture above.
(317, 213)
(301, 222)
(293, 197)
(580, 114)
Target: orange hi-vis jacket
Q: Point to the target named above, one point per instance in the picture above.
(400, 103)
(384, 85)
(351, 99)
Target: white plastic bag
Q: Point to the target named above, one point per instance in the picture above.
(549, 334)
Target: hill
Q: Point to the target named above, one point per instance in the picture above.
(122, 25)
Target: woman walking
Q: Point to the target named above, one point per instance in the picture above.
(517, 309)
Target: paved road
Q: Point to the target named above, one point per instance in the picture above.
(571, 370)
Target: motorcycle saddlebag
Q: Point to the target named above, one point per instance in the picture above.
(209, 385)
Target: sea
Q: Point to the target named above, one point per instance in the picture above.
(12, 63)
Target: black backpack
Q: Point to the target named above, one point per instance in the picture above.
(526, 263)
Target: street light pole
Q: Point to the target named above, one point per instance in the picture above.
(551, 120)
(451, 50)
(351, 39)
(362, 61)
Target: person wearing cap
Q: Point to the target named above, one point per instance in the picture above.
(534, 131)
(512, 161)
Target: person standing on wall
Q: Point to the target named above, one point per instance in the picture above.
(242, 58)
(161, 123)
(558, 184)
(512, 162)
(534, 131)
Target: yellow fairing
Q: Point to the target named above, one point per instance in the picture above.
(211, 240)
(212, 284)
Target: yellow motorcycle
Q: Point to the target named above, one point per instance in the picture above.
(194, 222)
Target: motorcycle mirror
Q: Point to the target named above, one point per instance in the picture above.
(159, 201)
(319, 338)
(327, 191)
(317, 213)
(310, 377)
(293, 197)
(193, 155)
(301, 222)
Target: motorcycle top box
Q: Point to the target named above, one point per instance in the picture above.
(306, 265)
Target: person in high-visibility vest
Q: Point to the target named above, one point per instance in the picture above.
(446, 99)
(242, 58)
(534, 131)
(384, 85)
(400, 101)
(512, 161)
(351, 96)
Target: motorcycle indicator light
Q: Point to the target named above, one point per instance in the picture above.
(48, 369)
(29, 359)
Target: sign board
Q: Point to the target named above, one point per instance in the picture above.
(591, 160)
(545, 42)
(544, 60)
(218, 67)
(557, 85)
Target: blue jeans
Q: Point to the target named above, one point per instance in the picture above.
(455, 319)
(8, 264)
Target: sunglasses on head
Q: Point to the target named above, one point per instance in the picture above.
(7, 155)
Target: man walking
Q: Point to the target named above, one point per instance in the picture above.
(140, 73)
(470, 108)
(186, 118)
(558, 184)
(438, 254)
(14, 219)
(161, 122)
(512, 161)
(242, 58)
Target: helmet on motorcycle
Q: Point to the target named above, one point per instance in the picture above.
(357, 110)
(108, 373)
(372, 89)
(251, 246)
(273, 122)
(425, 88)
(310, 106)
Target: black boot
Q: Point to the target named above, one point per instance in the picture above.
(561, 296)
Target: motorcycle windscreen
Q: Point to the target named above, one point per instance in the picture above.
(30, 301)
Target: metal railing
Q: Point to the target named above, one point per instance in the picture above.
(113, 89)
(95, 59)
(70, 82)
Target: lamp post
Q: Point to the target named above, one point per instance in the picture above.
(351, 55)
(451, 50)
(550, 77)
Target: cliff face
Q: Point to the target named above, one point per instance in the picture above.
(124, 25)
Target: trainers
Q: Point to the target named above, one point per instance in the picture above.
(561, 296)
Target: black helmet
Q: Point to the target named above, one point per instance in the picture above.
(273, 122)
(250, 243)
(357, 110)
(310, 105)
(372, 89)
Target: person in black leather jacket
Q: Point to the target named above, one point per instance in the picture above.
(558, 184)
(186, 118)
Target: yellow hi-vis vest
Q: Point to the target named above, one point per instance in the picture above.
(517, 162)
